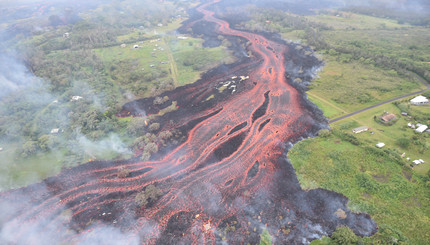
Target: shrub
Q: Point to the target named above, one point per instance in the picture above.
(154, 127)
(345, 236)
(123, 172)
(150, 194)
(324, 133)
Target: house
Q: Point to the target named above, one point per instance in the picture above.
(76, 98)
(66, 35)
(182, 38)
(404, 113)
(1, 149)
(380, 145)
(55, 131)
(360, 129)
(123, 45)
(419, 100)
(421, 129)
(136, 46)
(388, 117)
(416, 162)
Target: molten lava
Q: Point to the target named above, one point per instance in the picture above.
(231, 171)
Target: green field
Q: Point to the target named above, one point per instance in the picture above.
(374, 183)
(390, 134)
(164, 55)
(377, 181)
(348, 20)
(354, 85)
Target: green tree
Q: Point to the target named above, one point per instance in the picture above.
(136, 126)
(344, 236)
(29, 148)
(154, 127)
(46, 142)
(324, 133)
(150, 194)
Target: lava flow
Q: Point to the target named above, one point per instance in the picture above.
(227, 181)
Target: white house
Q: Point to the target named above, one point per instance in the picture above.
(421, 128)
(55, 131)
(360, 129)
(419, 100)
(380, 145)
(76, 98)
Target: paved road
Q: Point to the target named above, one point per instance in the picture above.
(379, 104)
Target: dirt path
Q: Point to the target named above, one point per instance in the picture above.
(173, 67)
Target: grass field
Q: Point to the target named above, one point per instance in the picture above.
(353, 86)
(348, 20)
(20, 172)
(390, 134)
(167, 55)
(377, 181)
(393, 195)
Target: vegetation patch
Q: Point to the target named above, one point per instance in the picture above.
(350, 169)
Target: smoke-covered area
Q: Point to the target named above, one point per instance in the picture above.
(27, 103)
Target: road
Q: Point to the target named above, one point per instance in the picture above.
(379, 104)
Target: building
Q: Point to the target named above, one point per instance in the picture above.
(419, 100)
(388, 117)
(416, 162)
(55, 131)
(66, 35)
(380, 145)
(360, 129)
(123, 45)
(421, 128)
(76, 98)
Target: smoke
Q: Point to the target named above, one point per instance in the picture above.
(418, 6)
(29, 112)
(98, 148)
(108, 235)
(46, 231)
(14, 75)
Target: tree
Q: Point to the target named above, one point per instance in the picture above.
(29, 148)
(136, 126)
(46, 142)
(150, 194)
(154, 127)
(324, 133)
(123, 172)
(345, 236)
